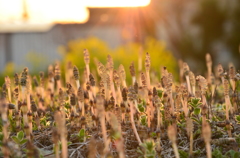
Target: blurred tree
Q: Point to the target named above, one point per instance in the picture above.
(194, 28)
(233, 40)
(123, 54)
(211, 19)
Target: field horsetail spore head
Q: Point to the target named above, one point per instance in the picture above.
(76, 73)
(116, 115)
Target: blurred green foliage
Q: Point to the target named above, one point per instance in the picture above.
(124, 54)
(194, 28)
(35, 59)
(8, 71)
(99, 49)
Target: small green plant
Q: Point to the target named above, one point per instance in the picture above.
(82, 135)
(195, 104)
(44, 121)
(196, 120)
(153, 134)
(141, 107)
(233, 154)
(115, 135)
(1, 124)
(237, 117)
(238, 139)
(19, 138)
(67, 106)
(160, 93)
(60, 146)
(1, 138)
(217, 153)
(148, 149)
(12, 123)
(183, 154)
(143, 120)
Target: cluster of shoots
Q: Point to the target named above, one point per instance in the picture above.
(89, 108)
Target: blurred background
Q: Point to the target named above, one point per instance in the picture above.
(37, 33)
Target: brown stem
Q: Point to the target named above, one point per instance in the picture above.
(133, 124)
(175, 149)
(191, 144)
(208, 148)
(188, 84)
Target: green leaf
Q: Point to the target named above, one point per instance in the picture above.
(143, 120)
(183, 154)
(192, 105)
(150, 145)
(195, 119)
(48, 123)
(141, 108)
(233, 154)
(195, 100)
(69, 143)
(150, 155)
(237, 154)
(160, 93)
(15, 139)
(197, 133)
(197, 152)
(139, 151)
(25, 150)
(20, 135)
(149, 149)
(1, 136)
(81, 133)
(67, 106)
(237, 138)
(153, 134)
(143, 102)
(238, 118)
(23, 141)
(60, 145)
(116, 135)
(197, 111)
(217, 153)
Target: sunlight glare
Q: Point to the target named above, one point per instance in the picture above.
(116, 3)
(59, 11)
(9, 12)
(54, 11)
(48, 12)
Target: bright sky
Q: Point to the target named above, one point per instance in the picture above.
(56, 11)
(116, 3)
